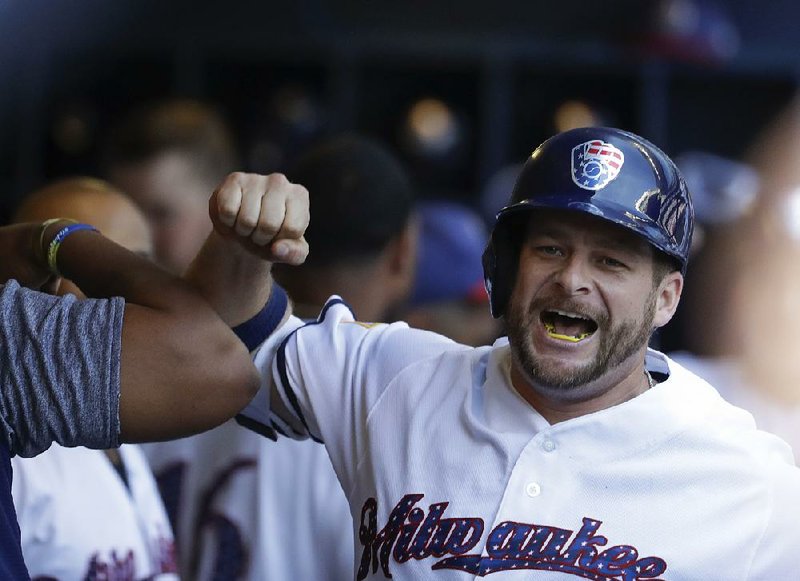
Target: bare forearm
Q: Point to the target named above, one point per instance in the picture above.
(104, 269)
(234, 281)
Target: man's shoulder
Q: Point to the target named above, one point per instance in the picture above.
(728, 435)
(700, 414)
(337, 326)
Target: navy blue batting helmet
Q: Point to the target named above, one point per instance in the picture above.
(606, 172)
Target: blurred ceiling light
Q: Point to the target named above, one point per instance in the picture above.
(573, 114)
(431, 128)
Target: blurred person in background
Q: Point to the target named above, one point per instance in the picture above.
(362, 229)
(168, 157)
(494, 193)
(242, 507)
(145, 359)
(91, 514)
(449, 295)
(744, 304)
(359, 183)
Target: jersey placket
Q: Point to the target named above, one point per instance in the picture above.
(524, 528)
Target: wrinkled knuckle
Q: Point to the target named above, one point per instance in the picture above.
(294, 230)
(227, 210)
(247, 222)
(301, 192)
(267, 228)
(278, 179)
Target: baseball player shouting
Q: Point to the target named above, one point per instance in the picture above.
(569, 450)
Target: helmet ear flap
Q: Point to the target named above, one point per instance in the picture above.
(501, 260)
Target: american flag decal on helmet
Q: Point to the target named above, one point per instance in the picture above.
(595, 163)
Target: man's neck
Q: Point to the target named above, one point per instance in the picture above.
(363, 291)
(555, 408)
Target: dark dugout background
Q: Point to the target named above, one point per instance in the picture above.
(488, 78)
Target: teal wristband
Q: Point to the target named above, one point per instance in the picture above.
(55, 244)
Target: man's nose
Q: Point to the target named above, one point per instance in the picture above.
(573, 276)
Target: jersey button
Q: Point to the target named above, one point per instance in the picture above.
(548, 445)
(533, 489)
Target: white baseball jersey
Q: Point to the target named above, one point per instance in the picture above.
(246, 508)
(451, 475)
(80, 522)
(771, 415)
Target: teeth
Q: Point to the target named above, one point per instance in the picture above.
(571, 315)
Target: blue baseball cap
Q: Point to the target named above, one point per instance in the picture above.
(451, 242)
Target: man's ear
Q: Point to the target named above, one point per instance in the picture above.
(403, 252)
(667, 298)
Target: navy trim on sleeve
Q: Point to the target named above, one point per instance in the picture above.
(281, 364)
(288, 390)
(255, 330)
(256, 427)
(278, 429)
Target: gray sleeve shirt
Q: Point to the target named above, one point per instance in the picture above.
(59, 370)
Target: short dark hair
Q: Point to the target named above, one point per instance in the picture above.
(663, 264)
(361, 198)
(180, 125)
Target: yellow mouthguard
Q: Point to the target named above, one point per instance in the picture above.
(551, 330)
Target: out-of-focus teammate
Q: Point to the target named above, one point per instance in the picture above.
(91, 514)
(105, 370)
(242, 508)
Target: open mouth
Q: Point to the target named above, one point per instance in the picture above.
(567, 326)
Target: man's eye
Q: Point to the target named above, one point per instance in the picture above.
(549, 250)
(613, 262)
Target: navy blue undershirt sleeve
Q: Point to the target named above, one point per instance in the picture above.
(257, 329)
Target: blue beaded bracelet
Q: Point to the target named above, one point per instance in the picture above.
(55, 244)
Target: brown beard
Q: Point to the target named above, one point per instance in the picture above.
(618, 344)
